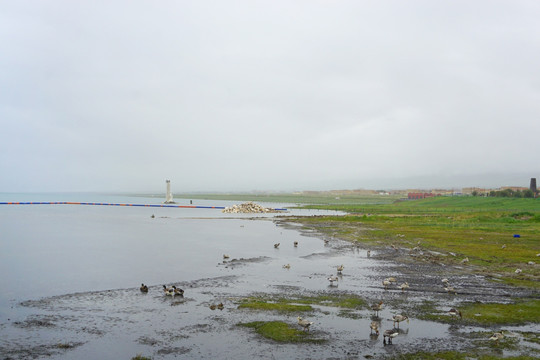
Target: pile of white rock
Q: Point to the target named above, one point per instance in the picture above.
(248, 208)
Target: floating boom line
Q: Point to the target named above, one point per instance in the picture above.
(113, 204)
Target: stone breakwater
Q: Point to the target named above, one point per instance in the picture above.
(249, 208)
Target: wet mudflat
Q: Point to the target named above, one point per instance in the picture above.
(118, 321)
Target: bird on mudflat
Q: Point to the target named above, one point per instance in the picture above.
(304, 323)
(144, 288)
(340, 268)
(276, 245)
(450, 290)
(287, 266)
(404, 286)
(390, 334)
(374, 327)
(168, 290)
(295, 244)
(496, 337)
(332, 279)
(454, 312)
(399, 318)
(386, 283)
(178, 291)
(377, 307)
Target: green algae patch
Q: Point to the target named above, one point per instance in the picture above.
(502, 314)
(280, 332)
(524, 281)
(532, 337)
(454, 355)
(271, 306)
(427, 310)
(303, 303)
(508, 342)
(518, 313)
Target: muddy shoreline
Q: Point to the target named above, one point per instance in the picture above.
(124, 322)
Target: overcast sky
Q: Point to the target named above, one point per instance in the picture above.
(268, 95)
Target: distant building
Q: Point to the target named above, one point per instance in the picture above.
(478, 191)
(533, 185)
(513, 188)
(416, 196)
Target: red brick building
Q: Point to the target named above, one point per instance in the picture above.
(415, 196)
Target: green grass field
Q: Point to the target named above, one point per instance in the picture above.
(439, 205)
(322, 199)
(481, 229)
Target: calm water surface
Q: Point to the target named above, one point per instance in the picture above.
(57, 249)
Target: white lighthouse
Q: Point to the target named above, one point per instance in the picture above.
(168, 196)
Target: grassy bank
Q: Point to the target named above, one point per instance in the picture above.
(441, 205)
(480, 229)
(481, 314)
(455, 355)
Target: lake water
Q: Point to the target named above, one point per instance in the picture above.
(57, 249)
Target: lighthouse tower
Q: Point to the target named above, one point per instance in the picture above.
(168, 196)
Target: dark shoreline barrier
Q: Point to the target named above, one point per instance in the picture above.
(112, 204)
